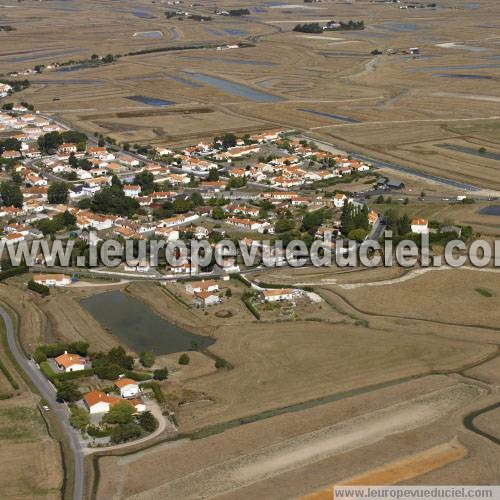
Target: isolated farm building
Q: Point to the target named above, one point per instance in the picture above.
(52, 279)
(277, 295)
(70, 362)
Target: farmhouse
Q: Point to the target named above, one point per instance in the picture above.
(277, 295)
(52, 279)
(128, 388)
(202, 286)
(70, 362)
(420, 226)
(205, 299)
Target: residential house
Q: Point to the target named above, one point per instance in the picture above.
(70, 362)
(420, 226)
(206, 299)
(277, 295)
(128, 388)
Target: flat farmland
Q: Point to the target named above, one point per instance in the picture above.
(258, 450)
(315, 83)
(423, 296)
(24, 440)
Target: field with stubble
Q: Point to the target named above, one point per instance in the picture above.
(469, 296)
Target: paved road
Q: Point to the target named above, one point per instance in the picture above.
(48, 392)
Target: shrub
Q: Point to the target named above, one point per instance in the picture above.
(184, 359)
(120, 413)
(38, 288)
(220, 363)
(147, 359)
(13, 271)
(160, 374)
(68, 391)
(47, 370)
(63, 377)
(138, 376)
(79, 418)
(147, 421)
(126, 432)
(96, 431)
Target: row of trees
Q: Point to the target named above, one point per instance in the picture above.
(49, 143)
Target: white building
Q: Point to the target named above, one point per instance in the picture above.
(277, 295)
(52, 279)
(128, 388)
(70, 362)
(420, 226)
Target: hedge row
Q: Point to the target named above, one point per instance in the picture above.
(252, 309)
(138, 376)
(13, 271)
(8, 376)
(47, 370)
(64, 377)
(158, 393)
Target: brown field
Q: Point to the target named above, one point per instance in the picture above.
(24, 440)
(401, 470)
(424, 296)
(176, 467)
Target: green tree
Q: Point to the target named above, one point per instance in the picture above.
(11, 194)
(147, 359)
(120, 413)
(184, 359)
(218, 213)
(126, 432)
(213, 175)
(68, 391)
(147, 421)
(160, 374)
(79, 418)
(358, 234)
(58, 192)
(145, 179)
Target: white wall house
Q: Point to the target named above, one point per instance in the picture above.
(70, 362)
(128, 388)
(420, 226)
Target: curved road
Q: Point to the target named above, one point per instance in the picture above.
(48, 392)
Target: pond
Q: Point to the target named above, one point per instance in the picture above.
(463, 76)
(138, 326)
(148, 34)
(491, 210)
(235, 88)
(143, 14)
(152, 101)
